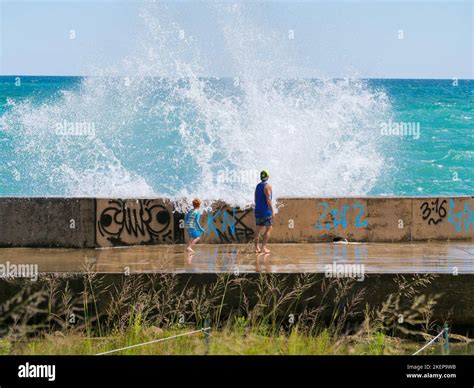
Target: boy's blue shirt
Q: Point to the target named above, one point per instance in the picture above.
(192, 220)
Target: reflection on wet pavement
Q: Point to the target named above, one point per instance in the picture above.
(436, 257)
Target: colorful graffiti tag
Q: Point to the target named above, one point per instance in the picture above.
(129, 222)
(434, 211)
(463, 218)
(338, 217)
(230, 224)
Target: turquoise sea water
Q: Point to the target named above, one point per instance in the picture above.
(73, 136)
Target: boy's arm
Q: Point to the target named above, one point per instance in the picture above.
(198, 224)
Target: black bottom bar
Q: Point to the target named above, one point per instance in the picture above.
(137, 371)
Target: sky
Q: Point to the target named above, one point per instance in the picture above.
(366, 39)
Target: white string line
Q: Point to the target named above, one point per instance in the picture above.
(154, 341)
(429, 343)
(208, 328)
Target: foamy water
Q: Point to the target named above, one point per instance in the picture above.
(160, 128)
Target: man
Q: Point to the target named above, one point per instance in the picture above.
(264, 214)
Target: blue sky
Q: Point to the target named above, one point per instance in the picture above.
(330, 39)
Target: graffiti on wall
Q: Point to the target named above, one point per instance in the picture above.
(460, 215)
(230, 224)
(128, 222)
(463, 219)
(433, 212)
(337, 217)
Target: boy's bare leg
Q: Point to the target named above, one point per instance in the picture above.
(195, 241)
(191, 243)
(257, 238)
(188, 245)
(266, 236)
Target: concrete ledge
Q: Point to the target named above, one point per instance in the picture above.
(321, 219)
(104, 222)
(374, 219)
(47, 222)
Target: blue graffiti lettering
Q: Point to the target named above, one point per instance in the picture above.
(225, 221)
(358, 223)
(340, 217)
(466, 217)
(326, 210)
(210, 222)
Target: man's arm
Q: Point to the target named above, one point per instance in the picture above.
(268, 193)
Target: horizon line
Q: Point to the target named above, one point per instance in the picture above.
(233, 77)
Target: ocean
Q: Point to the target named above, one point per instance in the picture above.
(209, 137)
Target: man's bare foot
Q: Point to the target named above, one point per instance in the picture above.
(257, 250)
(266, 250)
(189, 249)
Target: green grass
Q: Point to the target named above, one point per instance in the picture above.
(221, 342)
(273, 315)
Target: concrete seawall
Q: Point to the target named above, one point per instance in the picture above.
(47, 222)
(103, 222)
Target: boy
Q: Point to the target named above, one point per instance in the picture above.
(192, 226)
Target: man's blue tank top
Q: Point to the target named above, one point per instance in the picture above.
(261, 206)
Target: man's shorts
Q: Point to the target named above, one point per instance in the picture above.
(264, 221)
(193, 233)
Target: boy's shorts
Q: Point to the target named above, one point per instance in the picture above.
(264, 221)
(193, 233)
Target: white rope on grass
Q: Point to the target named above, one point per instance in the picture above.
(154, 341)
(429, 343)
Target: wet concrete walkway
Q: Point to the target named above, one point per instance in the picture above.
(436, 257)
